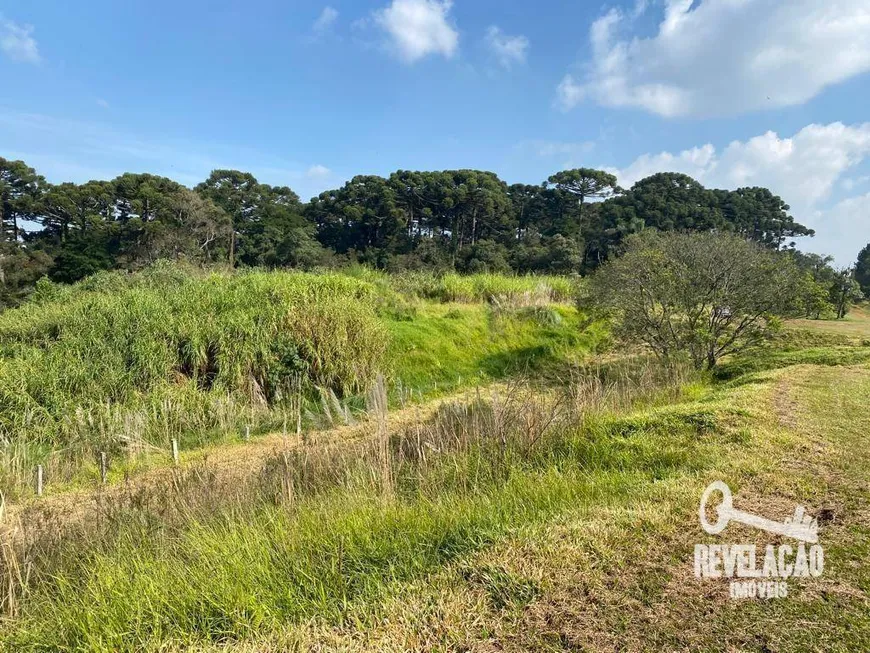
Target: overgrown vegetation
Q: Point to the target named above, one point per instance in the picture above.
(320, 534)
(123, 363)
(345, 543)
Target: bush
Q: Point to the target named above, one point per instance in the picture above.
(701, 295)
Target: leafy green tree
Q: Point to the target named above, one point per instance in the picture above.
(80, 257)
(456, 208)
(703, 295)
(815, 298)
(759, 215)
(79, 229)
(818, 278)
(484, 256)
(363, 216)
(666, 201)
(461, 219)
(20, 269)
(478, 208)
(72, 210)
(862, 270)
(157, 218)
(269, 226)
(547, 254)
(671, 201)
(282, 238)
(845, 291)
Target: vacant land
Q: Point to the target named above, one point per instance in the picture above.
(469, 509)
(123, 364)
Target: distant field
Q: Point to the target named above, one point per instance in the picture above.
(855, 325)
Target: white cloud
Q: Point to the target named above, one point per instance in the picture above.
(569, 93)
(720, 57)
(418, 28)
(804, 170)
(508, 50)
(850, 183)
(845, 227)
(325, 20)
(102, 103)
(17, 42)
(318, 171)
(696, 162)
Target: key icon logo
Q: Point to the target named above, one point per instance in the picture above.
(799, 526)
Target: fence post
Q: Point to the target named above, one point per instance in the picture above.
(39, 480)
(175, 451)
(104, 467)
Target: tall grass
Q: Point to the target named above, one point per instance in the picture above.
(123, 363)
(130, 362)
(316, 534)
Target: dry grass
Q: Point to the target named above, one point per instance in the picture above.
(439, 479)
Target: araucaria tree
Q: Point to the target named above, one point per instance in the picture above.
(704, 295)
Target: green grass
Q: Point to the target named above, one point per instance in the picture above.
(123, 363)
(855, 327)
(474, 288)
(128, 362)
(490, 534)
(449, 345)
(762, 360)
(559, 517)
(247, 568)
(241, 578)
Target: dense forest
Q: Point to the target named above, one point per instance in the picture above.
(463, 220)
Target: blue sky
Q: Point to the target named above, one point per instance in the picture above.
(308, 94)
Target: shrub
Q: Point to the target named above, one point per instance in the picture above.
(701, 295)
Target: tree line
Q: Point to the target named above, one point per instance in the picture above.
(465, 220)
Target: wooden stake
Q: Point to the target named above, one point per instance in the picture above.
(104, 467)
(175, 451)
(39, 480)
